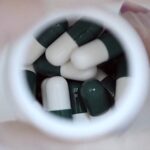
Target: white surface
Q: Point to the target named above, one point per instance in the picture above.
(56, 94)
(60, 50)
(6, 107)
(89, 55)
(70, 72)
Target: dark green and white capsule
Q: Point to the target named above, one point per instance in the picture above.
(47, 36)
(80, 33)
(96, 52)
(51, 33)
(95, 97)
(42, 66)
(122, 77)
(79, 110)
(67, 70)
(39, 79)
(107, 82)
(31, 81)
(55, 95)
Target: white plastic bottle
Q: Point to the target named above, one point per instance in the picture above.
(15, 91)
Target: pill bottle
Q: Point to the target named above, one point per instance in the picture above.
(26, 109)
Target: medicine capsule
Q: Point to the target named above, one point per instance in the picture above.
(39, 79)
(31, 80)
(43, 40)
(122, 78)
(79, 110)
(67, 70)
(95, 97)
(107, 82)
(51, 33)
(96, 51)
(109, 67)
(42, 66)
(55, 95)
(80, 33)
(70, 72)
(34, 50)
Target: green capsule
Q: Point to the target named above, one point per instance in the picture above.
(42, 66)
(31, 80)
(84, 31)
(77, 104)
(122, 68)
(51, 33)
(112, 44)
(96, 98)
(107, 81)
(109, 84)
(39, 79)
(63, 113)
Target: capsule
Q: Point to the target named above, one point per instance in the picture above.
(107, 82)
(55, 95)
(34, 50)
(39, 80)
(79, 111)
(67, 70)
(70, 72)
(39, 43)
(95, 97)
(31, 80)
(80, 33)
(51, 33)
(96, 52)
(122, 78)
(109, 67)
(43, 67)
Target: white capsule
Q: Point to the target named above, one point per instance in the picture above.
(70, 72)
(81, 117)
(34, 51)
(89, 55)
(121, 84)
(45, 95)
(55, 94)
(60, 50)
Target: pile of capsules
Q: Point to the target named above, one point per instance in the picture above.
(78, 71)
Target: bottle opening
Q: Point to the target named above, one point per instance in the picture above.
(76, 69)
